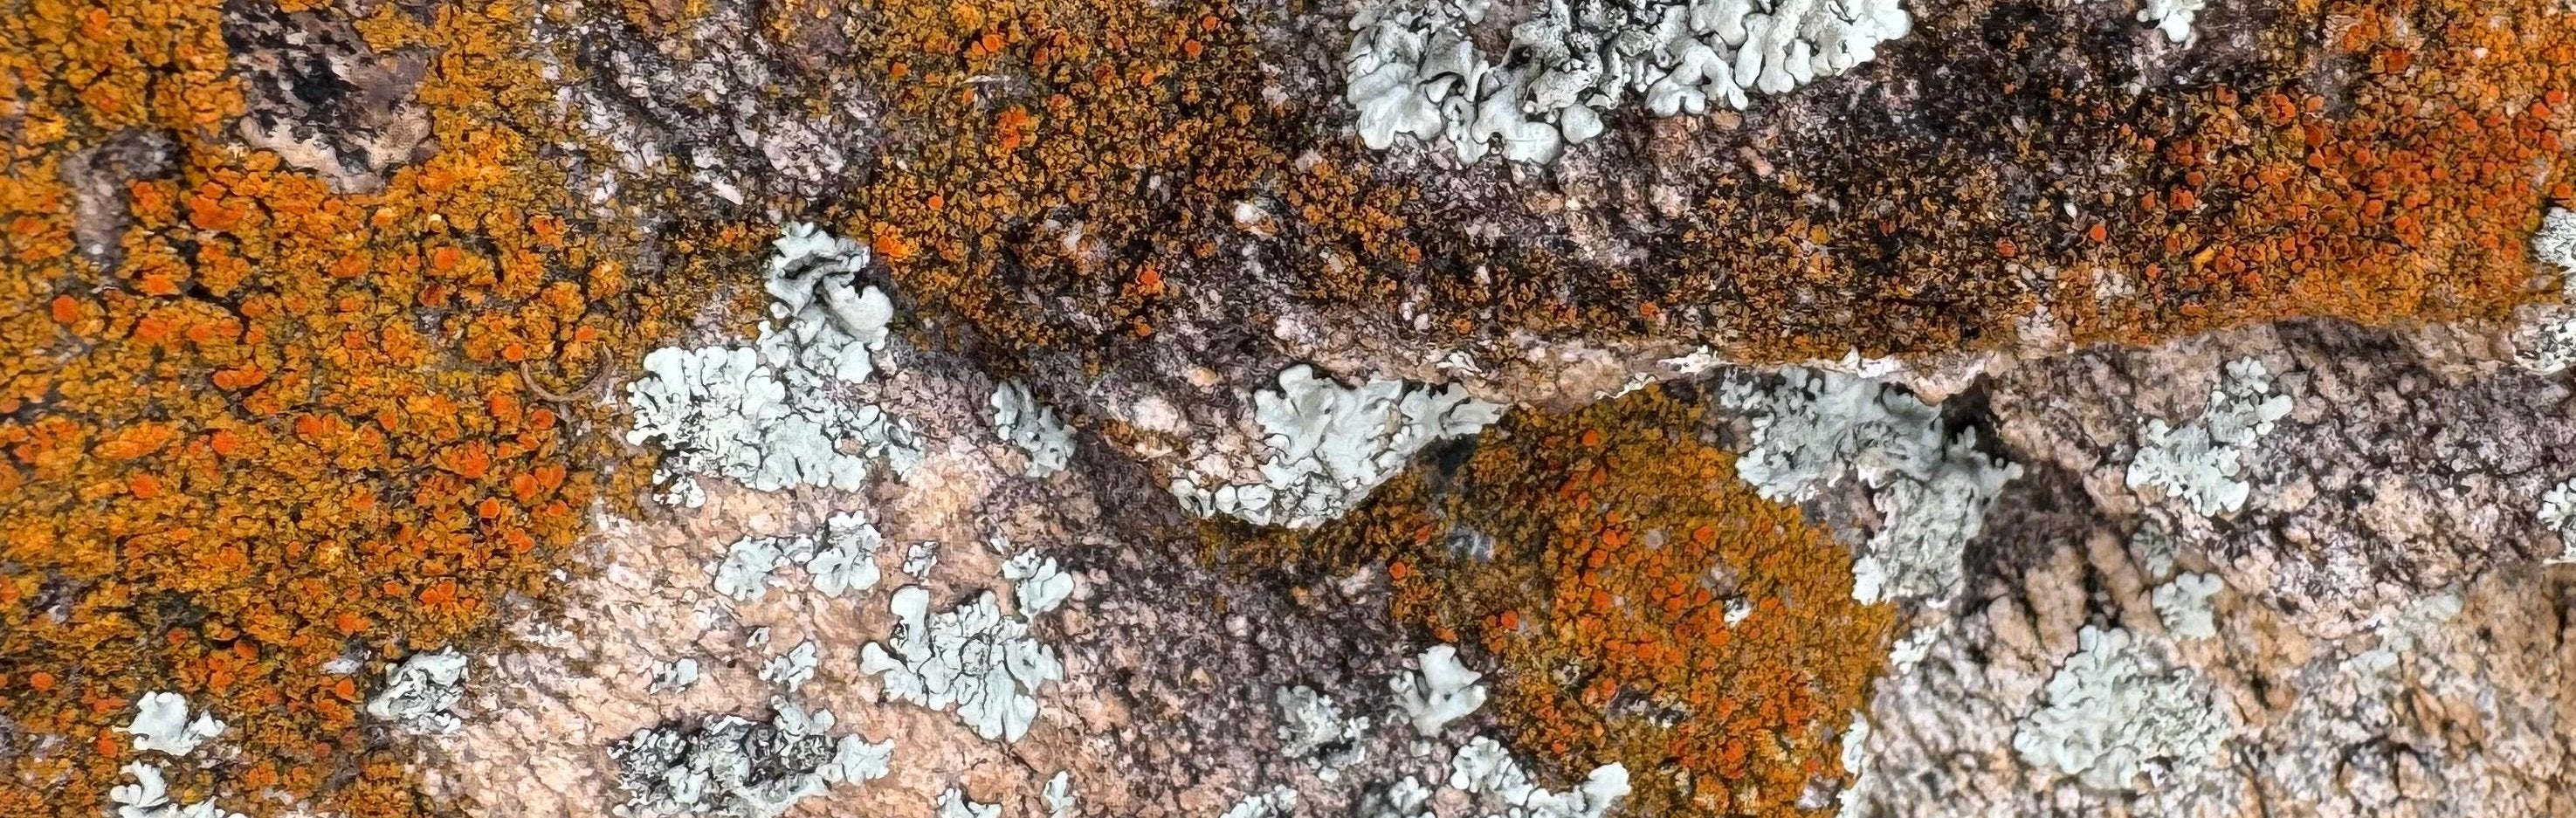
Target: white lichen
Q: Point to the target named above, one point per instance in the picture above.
(1930, 487)
(149, 797)
(1033, 428)
(2200, 462)
(743, 575)
(1441, 691)
(1856, 765)
(1912, 648)
(1329, 445)
(1413, 70)
(952, 803)
(856, 760)
(1311, 727)
(147, 794)
(2115, 710)
(419, 692)
(2547, 337)
(1406, 798)
(919, 558)
(676, 677)
(847, 560)
(2555, 243)
(1058, 795)
(2183, 604)
(1457, 363)
(734, 767)
(1482, 764)
(2155, 549)
(762, 415)
(792, 669)
(972, 658)
(1276, 802)
(1483, 767)
(1037, 585)
(2558, 513)
(161, 724)
(2173, 17)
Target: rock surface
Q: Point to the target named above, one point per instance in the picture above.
(2197, 468)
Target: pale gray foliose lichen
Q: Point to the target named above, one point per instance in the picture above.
(1329, 445)
(762, 415)
(2201, 462)
(2115, 710)
(1930, 487)
(1412, 68)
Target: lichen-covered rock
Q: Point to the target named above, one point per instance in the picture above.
(2199, 462)
(291, 381)
(792, 669)
(743, 575)
(2269, 632)
(2114, 712)
(1327, 445)
(1415, 70)
(1276, 802)
(149, 797)
(972, 657)
(1930, 486)
(2558, 513)
(1440, 691)
(1483, 767)
(2184, 605)
(846, 561)
(738, 768)
(1037, 584)
(1059, 796)
(161, 724)
(325, 100)
(2406, 462)
(2173, 17)
(1032, 427)
(2547, 335)
(760, 415)
(421, 691)
(2456, 680)
(711, 103)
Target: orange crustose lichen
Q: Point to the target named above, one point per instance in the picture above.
(1596, 556)
(1046, 149)
(288, 425)
(2403, 184)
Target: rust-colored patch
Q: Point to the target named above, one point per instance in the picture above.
(1596, 556)
(2406, 191)
(284, 428)
(1047, 149)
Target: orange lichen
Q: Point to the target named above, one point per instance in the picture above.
(251, 447)
(1597, 556)
(2408, 191)
(1058, 148)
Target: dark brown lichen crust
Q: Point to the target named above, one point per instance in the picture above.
(1073, 173)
